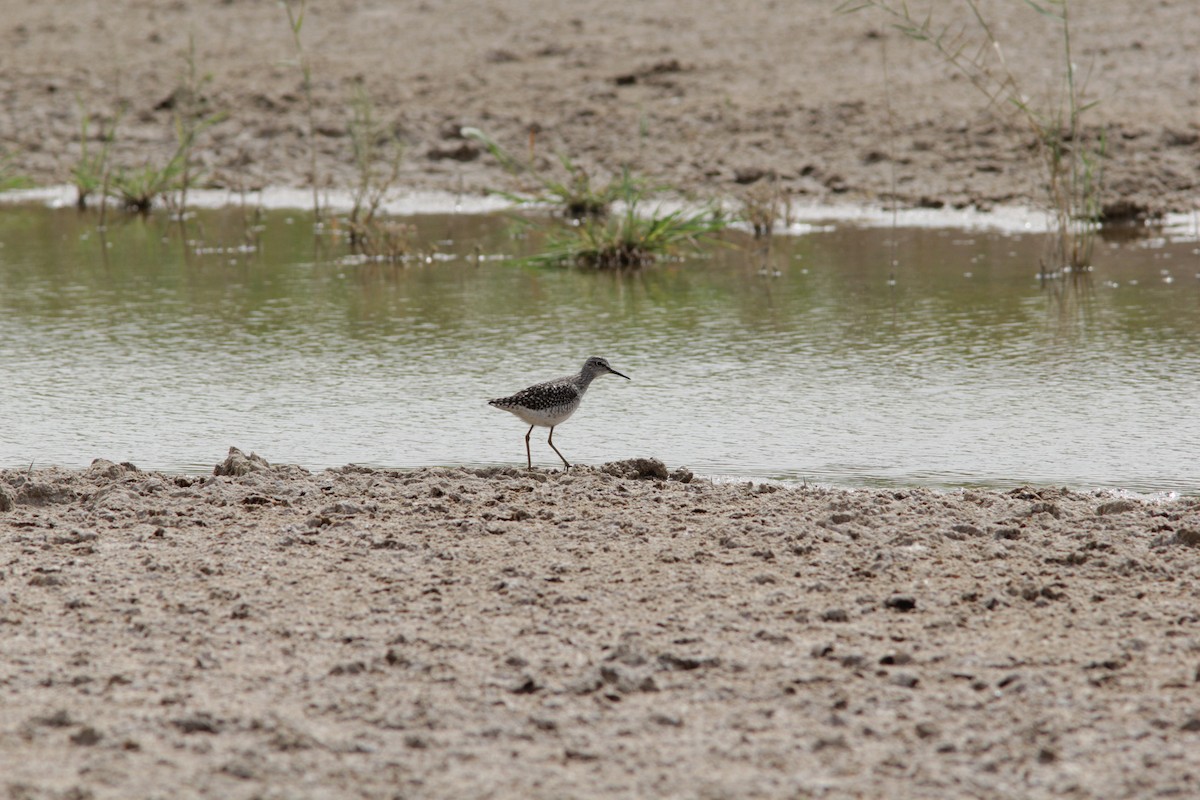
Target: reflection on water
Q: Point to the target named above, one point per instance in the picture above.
(961, 369)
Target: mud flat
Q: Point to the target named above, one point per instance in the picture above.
(615, 631)
(710, 99)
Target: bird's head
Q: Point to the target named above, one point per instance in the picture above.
(599, 366)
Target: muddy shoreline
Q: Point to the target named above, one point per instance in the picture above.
(617, 631)
(714, 101)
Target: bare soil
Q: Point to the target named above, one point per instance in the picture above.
(709, 98)
(611, 632)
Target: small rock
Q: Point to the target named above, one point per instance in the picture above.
(898, 658)
(905, 680)
(628, 651)
(900, 602)
(197, 723)
(103, 468)
(1114, 663)
(625, 681)
(747, 175)
(1045, 508)
(686, 663)
(86, 736)
(349, 668)
(633, 468)
(682, 475)
(830, 742)
(6, 499)
(463, 152)
(1115, 507)
(526, 686)
(579, 755)
(238, 463)
(1184, 536)
(836, 615)
(1010, 679)
(59, 719)
(44, 494)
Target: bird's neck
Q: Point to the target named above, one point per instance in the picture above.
(584, 379)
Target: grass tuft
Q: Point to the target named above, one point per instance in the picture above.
(373, 143)
(138, 188)
(91, 172)
(628, 240)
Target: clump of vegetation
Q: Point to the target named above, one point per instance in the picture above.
(1072, 165)
(373, 144)
(91, 171)
(138, 188)
(574, 193)
(192, 118)
(630, 239)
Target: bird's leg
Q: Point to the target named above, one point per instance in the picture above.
(528, 457)
(550, 441)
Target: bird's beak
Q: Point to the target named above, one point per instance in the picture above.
(614, 372)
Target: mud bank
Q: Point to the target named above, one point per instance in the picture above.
(615, 631)
(713, 100)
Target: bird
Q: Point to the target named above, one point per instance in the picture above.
(549, 404)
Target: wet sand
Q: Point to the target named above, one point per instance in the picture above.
(613, 632)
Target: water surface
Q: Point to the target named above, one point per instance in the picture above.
(845, 356)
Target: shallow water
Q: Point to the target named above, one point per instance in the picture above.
(856, 357)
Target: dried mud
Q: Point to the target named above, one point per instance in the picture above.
(711, 98)
(611, 632)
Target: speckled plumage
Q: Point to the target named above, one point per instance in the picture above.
(550, 404)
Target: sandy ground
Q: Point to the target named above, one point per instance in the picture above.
(457, 633)
(612, 632)
(709, 97)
